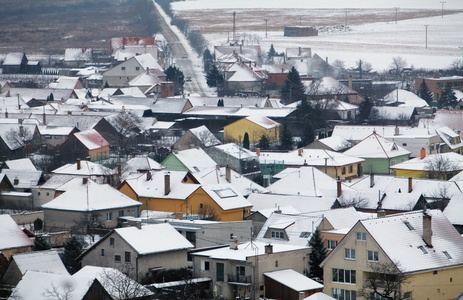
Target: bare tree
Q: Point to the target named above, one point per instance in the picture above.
(63, 292)
(383, 280)
(126, 126)
(121, 284)
(207, 212)
(339, 64)
(362, 67)
(397, 65)
(357, 200)
(440, 167)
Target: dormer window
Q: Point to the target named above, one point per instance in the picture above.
(278, 235)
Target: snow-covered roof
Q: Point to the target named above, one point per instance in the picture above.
(130, 51)
(91, 139)
(55, 130)
(39, 94)
(64, 82)
(226, 196)
(142, 241)
(375, 146)
(89, 197)
(294, 280)
(262, 121)
(405, 242)
(405, 98)
(148, 78)
(335, 142)
(311, 157)
(234, 150)
(25, 178)
(319, 296)
(136, 164)
(106, 277)
(326, 86)
(40, 261)
(10, 133)
(81, 122)
(449, 136)
(269, 112)
(20, 164)
(195, 159)
(77, 54)
(301, 203)
(453, 210)
(246, 250)
(203, 134)
(393, 113)
(229, 101)
(87, 168)
(242, 72)
(299, 52)
(13, 58)
(358, 133)
(147, 61)
(11, 236)
(251, 51)
(450, 160)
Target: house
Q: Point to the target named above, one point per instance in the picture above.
(255, 126)
(370, 251)
(41, 261)
(20, 197)
(40, 97)
(67, 83)
(253, 52)
(240, 159)
(86, 204)
(451, 139)
(128, 51)
(238, 271)
(150, 78)
(403, 115)
(137, 164)
(14, 135)
(117, 43)
(192, 160)
(77, 57)
(12, 239)
(379, 154)
(289, 284)
(345, 110)
(437, 84)
(196, 137)
(87, 169)
(433, 166)
(330, 88)
(54, 136)
(42, 286)
(123, 73)
(245, 78)
(15, 62)
(84, 144)
(403, 98)
(333, 143)
(136, 247)
(178, 191)
(334, 164)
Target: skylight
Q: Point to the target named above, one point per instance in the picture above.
(225, 193)
(304, 234)
(409, 225)
(422, 249)
(447, 254)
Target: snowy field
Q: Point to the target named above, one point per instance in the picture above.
(373, 42)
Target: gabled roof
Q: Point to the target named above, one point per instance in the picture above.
(405, 98)
(450, 160)
(41, 261)
(142, 241)
(77, 54)
(358, 132)
(55, 130)
(294, 280)
(453, 210)
(11, 236)
(203, 134)
(20, 164)
(137, 164)
(375, 146)
(148, 78)
(89, 197)
(236, 151)
(447, 135)
(64, 82)
(337, 143)
(319, 296)
(393, 113)
(147, 61)
(10, 134)
(242, 72)
(91, 139)
(26, 179)
(301, 203)
(194, 160)
(40, 94)
(262, 121)
(13, 58)
(87, 168)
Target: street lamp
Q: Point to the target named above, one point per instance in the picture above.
(426, 35)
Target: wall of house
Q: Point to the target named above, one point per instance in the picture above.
(187, 141)
(12, 275)
(42, 195)
(381, 165)
(255, 132)
(8, 253)
(437, 85)
(99, 153)
(173, 163)
(121, 74)
(415, 144)
(170, 260)
(341, 171)
(411, 173)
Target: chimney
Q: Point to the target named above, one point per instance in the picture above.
(359, 170)
(228, 174)
(268, 249)
(339, 188)
(234, 243)
(78, 164)
(166, 183)
(372, 180)
(179, 215)
(138, 224)
(422, 153)
(6, 113)
(410, 185)
(84, 180)
(148, 176)
(278, 211)
(44, 119)
(350, 81)
(119, 170)
(300, 52)
(299, 152)
(381, 213)
(258, 151)
(88, 158)
(69, 112)
(436, 75)
(327, 59)
(396, 130)
(16, 181)
(427, 230)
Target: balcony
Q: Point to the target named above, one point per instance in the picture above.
(239, 280)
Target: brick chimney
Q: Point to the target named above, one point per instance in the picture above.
(84, 180)
(258, 151)
(166, 183)
(148, 176)
(350, 81)
(381, 213)
(422, 153)
(410, 185)
(427, 230)
(268, 249)
(299, 152)
(78, 164)
(339, 188)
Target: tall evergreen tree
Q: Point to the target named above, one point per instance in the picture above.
(424, 92)
(448, 98)
(264, 143)
(286, 138)
(308, 134)
(214, 77)
(271, 53)
(176, 75)
(246, 141)
(293, 89)
(41, 243)
(208, 60)
(318, 254)
(72, 249)
(364, 109)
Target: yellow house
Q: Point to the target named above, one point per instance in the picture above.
(179, 192)
(440, 166)
(255, 126)
(419, 255)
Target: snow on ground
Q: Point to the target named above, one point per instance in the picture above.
(376, 43)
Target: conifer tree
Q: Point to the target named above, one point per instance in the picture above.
(424, 92)
(176, 75)
(72, 249)
(286, 138)
(207, 60)
(293, 89)
(264, 142)
(214, 77)
(318, 254)
(448, 98)
(246, 141)
(41, 243)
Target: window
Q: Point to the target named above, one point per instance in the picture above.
(278, 235)
(304, 234)
(423, 249)
(344, 276)
(191, 236)
(117, 258)
(392, 162)
(127, 256)
(38, 194)
(407, 295)
(137, 68)
(123, 68)
(111, 242)
(361, 236)
(121, 213)
(276, 263)
(351, 169)
(102, 252)
(205, 265)
(447, 255)
(240, 271)
(109, 216)
(48, 194)
(409, 226)
(349, 253)
(220, 272)
(331, 244)
(344, 294)
(404, 144)
(343, 170)
(372, 255)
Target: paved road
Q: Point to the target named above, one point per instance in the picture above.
(182, 60)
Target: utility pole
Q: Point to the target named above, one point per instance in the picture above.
(426, 35)
(300, 20)
(265, 20)
(396, 9)
(345, 18)
(442, 2)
